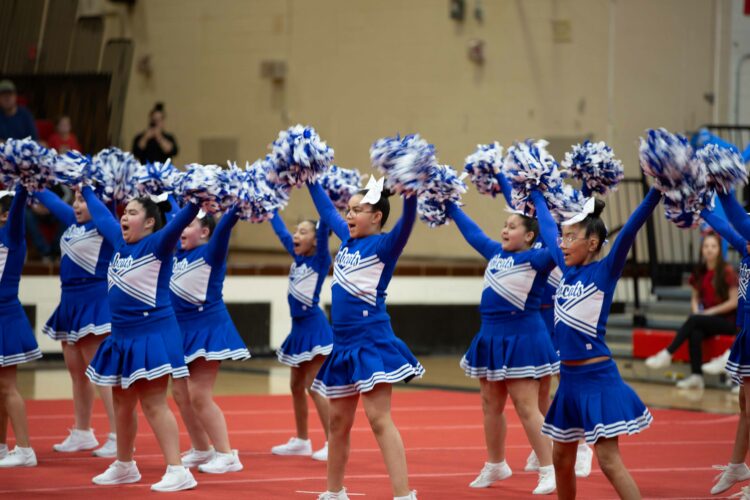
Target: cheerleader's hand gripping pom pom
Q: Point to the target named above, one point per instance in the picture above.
(483, 165)
(27, 162)
(72, 169)
(341, 184)
(157, 178)
(203, 183)
(300, 156)
(443, 186)
(114, 175)
(595, 165)
(724, 167)
(260, 195)
(406, 162)
(529, 166)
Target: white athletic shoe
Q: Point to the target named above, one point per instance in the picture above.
(3, 451)
(546, 484)
(661, 359)
(532, 463)
(19, 457)
(295, 446)
(692, 381)
(222, 463)
(119, 473)
(109, 448)
(729, 475)
(717, 365)
(329, 495)
(744, 494)
(491, 473)
(194, 458)
(411, 496)
(77, 440)
(177, 478)
(584, 456)
(322, 454)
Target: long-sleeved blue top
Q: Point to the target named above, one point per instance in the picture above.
(138, 274)
(741, 222)
(363, 267)
(13, 249)
(307, 272)
(513, 281)
(585, 294)
(198, 274)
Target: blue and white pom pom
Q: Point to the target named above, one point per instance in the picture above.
(72, 168)
(202, 183)
(406, 162)
(115, 175)
(443, 186)
(724, 167)
(665, 157)
(595, 165)
(483, 165)
(529, 166)
(27, 162)
(566, 204)
(300, 156)
(261, 195)
(157, 178)
(341, 184)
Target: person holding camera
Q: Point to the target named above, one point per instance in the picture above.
(154, 144)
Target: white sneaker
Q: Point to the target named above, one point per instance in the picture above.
(730, 474)
(546, 484)
(194, 458)
(77, 440)
(491, 473)
(119, 473)
(19, 457)
(177, 478)
(329, 495)
(222, 463)
(661, 359)
(411, 496)
(717, 365)
(322, 454)
(584, 456)
(295, 446)
(109, 448)
(3, 451)
(693, 381)
(532, 463)
(744, 494)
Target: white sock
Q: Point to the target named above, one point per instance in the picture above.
(546, 468)
(736, 466)
(583, 447)
(496, 464)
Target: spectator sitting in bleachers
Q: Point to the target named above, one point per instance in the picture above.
(63, 139)
(713, 304)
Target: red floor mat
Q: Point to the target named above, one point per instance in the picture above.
(442, 432)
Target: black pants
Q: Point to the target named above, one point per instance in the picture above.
(694, 330)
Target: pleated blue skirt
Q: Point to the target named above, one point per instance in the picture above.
(82, 311)
(213, 337)
(17, 341)
(310, 336)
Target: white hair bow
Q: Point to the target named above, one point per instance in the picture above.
(5, 193)
(201, 214)
(588, 208)
(374, 191)
(158, 198)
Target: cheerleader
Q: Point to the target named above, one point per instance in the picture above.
(82, 319)
(209, 336)
(513, 351)
(145, 346)
(367, 357)
(311, 339)
(592, 401)
(17, 342)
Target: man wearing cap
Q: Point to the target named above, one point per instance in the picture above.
(16, 122)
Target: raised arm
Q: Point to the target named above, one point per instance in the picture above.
(507, 189)
(328, 212)
(61, 210)
(548, 229)
(16, 218)
(277, 223)
(735, 213)
(168, 235)
(218, 245)
(725, 230)
(322, 253)
(473, 234)
(621, 247)
(393, 243)
(103, 219)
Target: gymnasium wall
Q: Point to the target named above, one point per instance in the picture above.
(359, 70)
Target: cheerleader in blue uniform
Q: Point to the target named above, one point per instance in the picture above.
(82, 319)
(145, 346)
(209, 336)
(513, 351)
(367, 357)
(311, 339)
(736, 470)
(592, 401)
(17, 342)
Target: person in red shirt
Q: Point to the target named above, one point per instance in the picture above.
(63, 139)
(713, 304)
